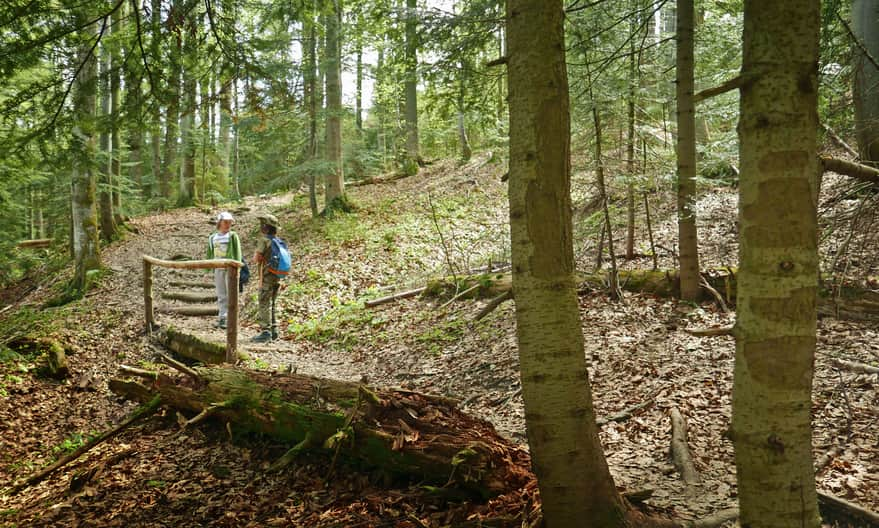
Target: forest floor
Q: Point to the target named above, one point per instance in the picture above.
(448, 219)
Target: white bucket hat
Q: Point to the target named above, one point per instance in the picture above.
(225, 215)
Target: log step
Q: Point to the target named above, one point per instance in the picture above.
(190, 297)
(191, 347)
(192, 284)
(194, 311)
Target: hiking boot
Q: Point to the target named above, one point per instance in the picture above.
(263, 337)
(222, 323)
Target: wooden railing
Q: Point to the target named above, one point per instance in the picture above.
(231, 266)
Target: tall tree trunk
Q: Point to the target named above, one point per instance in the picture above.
(562, 432)
(688, 244)
(158, 100)
(630, 147)
(84, 225)
(501, 91)
(613, 282)
(225, 122)
(778, 265)
(108, 222)
(411, 85)
(134, 106)
(188, 133)
(236, 153)
(335, 185)
(358, 94)
(172, 116)
(463, 140)
(115, 132)
(865, 22)
(310, 87)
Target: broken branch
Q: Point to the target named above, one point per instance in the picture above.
(394, 297)
(680, 452)
(855, 367)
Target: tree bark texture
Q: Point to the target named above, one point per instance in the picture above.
(562, 432)
(778, 274)
(865, 24)
(335, 184)
(86, 248)
(421, 437)
(688, 245)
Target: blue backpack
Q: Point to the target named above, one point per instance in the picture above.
(279, 262)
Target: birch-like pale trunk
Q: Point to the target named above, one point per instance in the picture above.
(778, 265)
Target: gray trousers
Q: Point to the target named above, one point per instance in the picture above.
(220, 281)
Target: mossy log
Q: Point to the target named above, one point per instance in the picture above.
(480, 286)
(419, 437)
(848, 302)
(190, 297)
(191, 347)
(52, 355)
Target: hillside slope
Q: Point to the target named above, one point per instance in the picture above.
(445, 221)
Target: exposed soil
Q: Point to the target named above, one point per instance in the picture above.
(442, 222)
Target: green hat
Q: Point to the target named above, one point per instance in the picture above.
(268, 219)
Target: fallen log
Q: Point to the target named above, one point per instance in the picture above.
(680, 451)
(493, 304)
(52, 354)
(851, 169)
(39, 243)
(848, 303)
(378, 180)
(194, 311)
(839, 141)
(836, 509)
(710, 332)
(479, 286)
(831, 508)
(406, 434)
(145, 410)
(190, 297)
(855, 367)
(191, 347)
(395, 297)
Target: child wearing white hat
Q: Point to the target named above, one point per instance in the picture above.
(223, 243)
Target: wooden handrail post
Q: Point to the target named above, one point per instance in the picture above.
(232, 316)
(148, 294)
